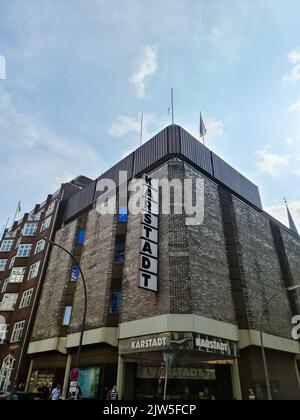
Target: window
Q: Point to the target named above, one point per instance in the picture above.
(75, 273)
(29, 229)
(46, 223)
(6, 245)
(3, 265)
(24, 250)
(40, 246)
(123, 215)
(5, 283)
(50, 208)
(67, 315)
(120, 253)
(115, 300)
(9, 301)
(81, 237)
(34, 269)
(12, 262)
(17, 275)
(3, 332)
(26, 298)
(17, 331)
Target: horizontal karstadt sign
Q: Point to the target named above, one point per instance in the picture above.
(183, 341)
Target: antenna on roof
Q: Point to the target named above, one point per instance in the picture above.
(172, 104)
(141, 133)
(171, 107)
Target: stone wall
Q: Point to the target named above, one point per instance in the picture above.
(50, 311)
(261, 271)
(96, 263)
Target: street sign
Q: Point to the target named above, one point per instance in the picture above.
(168, 359)
(74, 375)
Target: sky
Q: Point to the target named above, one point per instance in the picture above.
(79, 73)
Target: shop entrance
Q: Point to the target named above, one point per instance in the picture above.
(189, 378)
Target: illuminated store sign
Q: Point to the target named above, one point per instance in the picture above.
(149, 237)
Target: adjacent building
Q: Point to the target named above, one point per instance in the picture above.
(160, 288)
(23, 260)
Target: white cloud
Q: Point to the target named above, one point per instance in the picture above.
(295, 107)
(294, 56)
(130, 125)
(289, 141)
(294, 74)
(280, 212)
(146, 66)
(271, 163)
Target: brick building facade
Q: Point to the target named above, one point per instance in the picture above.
(214, 280)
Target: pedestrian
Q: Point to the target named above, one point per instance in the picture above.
(56, 393)
(77, 392)
(113, 394)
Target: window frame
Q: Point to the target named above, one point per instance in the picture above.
(31, 232)
(34, 270)
(3, 265)
(4, 248)
(24, 246)
(17, 332)
(26, 298)
(17, 275)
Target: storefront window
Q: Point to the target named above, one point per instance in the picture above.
(89, 382)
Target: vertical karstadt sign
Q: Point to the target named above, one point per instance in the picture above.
(148, 272)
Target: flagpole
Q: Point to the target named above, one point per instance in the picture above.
(141, 134)
(4, 228)
(172, 103)
(17, 211)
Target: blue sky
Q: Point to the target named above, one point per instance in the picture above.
(78, 74)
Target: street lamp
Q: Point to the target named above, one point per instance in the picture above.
(85, 296)
(266, 371)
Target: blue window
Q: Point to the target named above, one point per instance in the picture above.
(115, 300)
(67, 315)
(120, 253)
(81, 237)
(123, 215)
(75, 273)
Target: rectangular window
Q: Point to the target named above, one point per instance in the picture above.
(5, 283)
(75, 273)
(115, 300)
(6, 245)
(50, 208)
(67, 315)
(12, 262)
(17, 332)
(30, 229)
(26, 298)
(34, 269)
(3, 265)
(46, 223)
(24, 250)
(9, 301)
(81, 237)
(3, 332)
(40, 246)
(120, 253)
(17, 275)
(123, 215)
